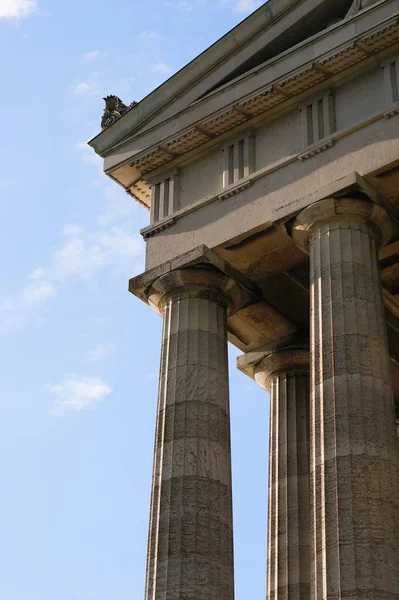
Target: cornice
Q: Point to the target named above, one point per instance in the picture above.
(392, 112)
(327, 67)
(269, 15)
(313, 150)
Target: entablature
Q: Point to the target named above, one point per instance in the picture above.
(259, 96)
(270, 30)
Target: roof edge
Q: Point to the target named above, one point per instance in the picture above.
(269, 12)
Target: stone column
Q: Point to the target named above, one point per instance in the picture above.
(190, 553)
(286, 375)
(354, 451)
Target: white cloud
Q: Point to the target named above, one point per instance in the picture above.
(117, 207)
(112, 249)
(100, 352)
(78, 257)
(38, 293)
(84, 255)
(162, 68)
(38, 273)
(82, 89)
(151, 36)
(182, 5)
(94, 55)
(76, 393)
(87, 155)
(81, 257)
(89, 87)
(7, 183)
(27, 304)
(17, 9)
(243, 6)
(72, 230)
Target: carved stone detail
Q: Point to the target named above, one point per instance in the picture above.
(153, 230)
(392, 112)
(316, 150)
(235, 190)
(359, 5)
(334, 63)
(114, 110)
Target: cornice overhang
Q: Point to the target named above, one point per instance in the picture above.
(363, 43)
(258, 30)
(189, 74)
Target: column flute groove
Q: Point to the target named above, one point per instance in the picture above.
(286, 375)
(354, 458)
(190, 549)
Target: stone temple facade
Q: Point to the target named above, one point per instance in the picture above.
(270, 169)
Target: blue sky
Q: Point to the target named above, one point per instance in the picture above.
(79, 355)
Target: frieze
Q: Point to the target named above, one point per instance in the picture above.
(342, 58)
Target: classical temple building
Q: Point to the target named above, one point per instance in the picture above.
(270, 169)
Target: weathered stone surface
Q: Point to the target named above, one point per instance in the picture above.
(354, 450)
(359, 5)
(190, 554)
(315, 122)
(286, 374)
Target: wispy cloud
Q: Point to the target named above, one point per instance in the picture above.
(7, 183)
(163, 68)
(82, 89)
(244, 6)
(112, 248)
(76, 393)
(94, 55)
(82, 256)
(87, 156)
(117, 210)
(151, 36)
(28, 303)
(99, 353)
(182, 5)
(72, 231)
(37, 293)
(17, 9)
(89, 87)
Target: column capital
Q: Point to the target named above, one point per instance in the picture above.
(198, 282)
(355, 213)
(292, 359)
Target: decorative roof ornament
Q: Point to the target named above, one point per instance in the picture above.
(114, 110)
(358, 5)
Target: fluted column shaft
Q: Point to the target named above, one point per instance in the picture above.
(286, 375)
(190, 554)
(354, 451)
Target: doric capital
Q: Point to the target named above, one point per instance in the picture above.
(198, 282)
(291, 360)
(346, 212)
